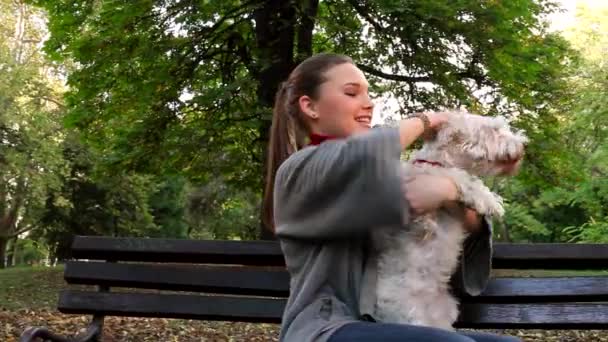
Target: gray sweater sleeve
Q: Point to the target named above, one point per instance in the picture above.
(341, 188)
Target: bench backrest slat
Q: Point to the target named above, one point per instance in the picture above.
(261, 281)
(544, 290)
(255, 281)
(549, 256)
(268, 253)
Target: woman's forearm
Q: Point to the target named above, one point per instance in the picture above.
(409, 130)
(412, 128)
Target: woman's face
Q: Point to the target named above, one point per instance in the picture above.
(343, 106)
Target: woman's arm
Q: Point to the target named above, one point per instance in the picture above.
(341, 188)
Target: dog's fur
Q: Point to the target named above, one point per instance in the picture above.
(416, 262)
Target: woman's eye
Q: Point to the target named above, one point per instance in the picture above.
(351, 94)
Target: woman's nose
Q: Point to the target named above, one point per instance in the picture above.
(368, 103)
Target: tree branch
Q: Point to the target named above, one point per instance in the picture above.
(596, 171)
(393, 77)
(46, 98)
(365, 14)
(21, 231)
(246, 56)
(205, 32)
(240, 119)
(414, 79)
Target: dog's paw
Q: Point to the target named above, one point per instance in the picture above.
(496, 206)
(484, 202)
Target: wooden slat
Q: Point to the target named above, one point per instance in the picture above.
(266, 310)
(267, 253)
(533, 316)
(550, 256)
(521, 256)
(544, 290)
(517, 256)
(545, 316)
(228, 279)
(261, 282)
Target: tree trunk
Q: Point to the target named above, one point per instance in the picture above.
(8, 218)
(10, 253)
(3, 245)
(506, 237)
(275, 31)
(276, 27)
(307, 24)
(12, 259)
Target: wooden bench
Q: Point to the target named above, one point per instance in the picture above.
(247, 282)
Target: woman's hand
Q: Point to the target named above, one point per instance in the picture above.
(437, 119)
(412, 128)
(471, 219)
(426, 193)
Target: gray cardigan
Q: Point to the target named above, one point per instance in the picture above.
(327, 198)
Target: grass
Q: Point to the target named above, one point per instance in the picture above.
(30, 287)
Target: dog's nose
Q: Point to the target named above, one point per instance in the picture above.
(515, 152)
(511, 158)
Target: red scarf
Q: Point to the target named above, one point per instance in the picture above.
(316, 139)
(423, 161)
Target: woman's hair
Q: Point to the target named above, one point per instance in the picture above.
(289, 128)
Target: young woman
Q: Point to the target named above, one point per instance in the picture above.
(331, 179)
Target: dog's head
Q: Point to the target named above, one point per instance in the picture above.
(481, 145)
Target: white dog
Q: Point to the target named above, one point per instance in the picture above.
(416, 262)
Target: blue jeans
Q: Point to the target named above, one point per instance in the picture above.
(384, 332)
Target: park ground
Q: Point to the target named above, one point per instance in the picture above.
(28, 297)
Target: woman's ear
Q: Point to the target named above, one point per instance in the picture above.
(308, 107)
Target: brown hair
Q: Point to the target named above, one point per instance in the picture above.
(289, 129)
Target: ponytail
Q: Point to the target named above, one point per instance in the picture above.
(287, 135)
(289, 129)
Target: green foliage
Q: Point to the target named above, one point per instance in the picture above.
(135, 60)
(522, 225)
(92, 202)
(31, 163)
(30, 252)
(167, 205)
(592, 231)
(168, 98)
(571, 200)
(167, 86)
(218, 211)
